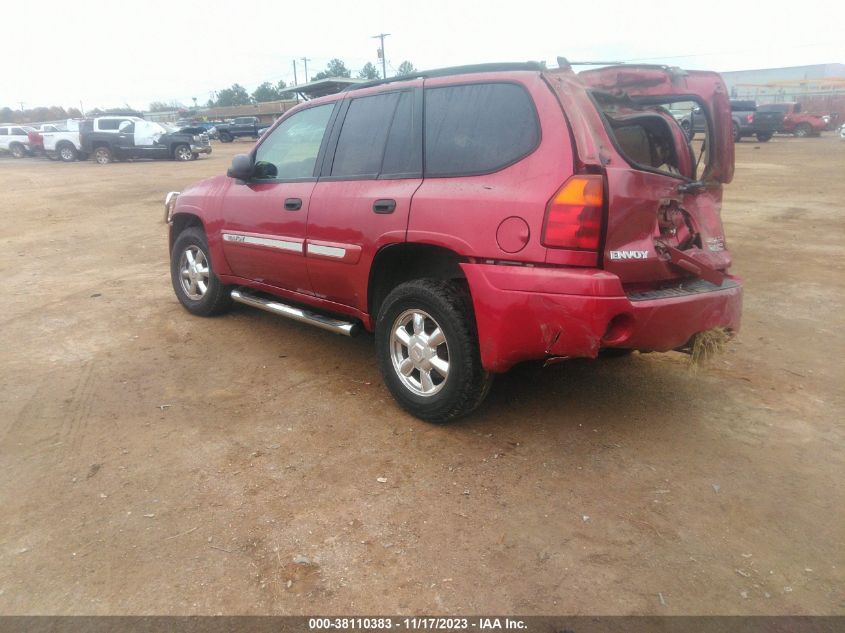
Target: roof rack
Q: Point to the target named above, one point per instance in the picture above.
(453, 70)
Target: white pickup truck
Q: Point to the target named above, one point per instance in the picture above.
(15, 140)
(64, 143)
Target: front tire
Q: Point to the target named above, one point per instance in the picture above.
(427, 348)
(225, 137)
(103, 155)
(194, 282)
(182, 153)
(764, 137)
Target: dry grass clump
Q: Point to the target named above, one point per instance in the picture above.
(705, 345)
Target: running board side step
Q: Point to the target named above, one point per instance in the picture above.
(346, 328)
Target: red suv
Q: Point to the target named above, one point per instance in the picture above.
(473, 218)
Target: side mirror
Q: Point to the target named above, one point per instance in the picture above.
(241, 168)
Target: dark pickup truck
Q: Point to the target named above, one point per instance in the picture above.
(747, 121)
(119, 138)
(244, 126)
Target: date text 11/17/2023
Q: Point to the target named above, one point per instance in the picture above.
(416, 623)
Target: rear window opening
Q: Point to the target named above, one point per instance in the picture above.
(668, 138)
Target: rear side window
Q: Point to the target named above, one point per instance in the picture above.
(477, 128)
(109, 124)
(4, 131)
(362, 140)
(380, 138)
(16, 131)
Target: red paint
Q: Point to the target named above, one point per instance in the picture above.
(566, 297)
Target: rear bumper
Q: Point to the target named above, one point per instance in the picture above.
(534, 313)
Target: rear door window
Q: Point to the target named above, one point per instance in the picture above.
(477, 128)
(362, 140)
(379, 139)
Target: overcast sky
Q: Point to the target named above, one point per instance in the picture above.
(111, 53)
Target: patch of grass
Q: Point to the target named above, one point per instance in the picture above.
(705, 345)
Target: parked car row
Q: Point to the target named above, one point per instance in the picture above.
(106, 139)
(762, 121)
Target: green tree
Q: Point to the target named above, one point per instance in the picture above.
(405, 68)
(335, 68)
(369, 71)
(234, 96)
(265, 92)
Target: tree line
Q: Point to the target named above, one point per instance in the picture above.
(234, 95)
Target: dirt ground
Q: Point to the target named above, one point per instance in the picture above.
(156, 463)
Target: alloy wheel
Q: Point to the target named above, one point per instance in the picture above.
(419, 352)
(194, 272)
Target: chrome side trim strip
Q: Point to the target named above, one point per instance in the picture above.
(283, 245)
(346, 328)
(328, 251)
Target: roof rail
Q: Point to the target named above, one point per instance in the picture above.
(453, 70)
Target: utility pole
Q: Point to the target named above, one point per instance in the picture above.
(305, 61)
(295, 82)
(381, 54)
(21, 104)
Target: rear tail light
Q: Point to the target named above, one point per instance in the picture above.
(574, 214)
(750, 118)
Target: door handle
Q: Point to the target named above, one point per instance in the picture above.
(293, 204)
(384, 206)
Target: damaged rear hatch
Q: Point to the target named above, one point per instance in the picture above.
(663, 226)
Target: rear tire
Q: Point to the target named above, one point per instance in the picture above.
(737, 133)
(18, 150)
(764, 137)
(425, 329)
(191, 273)
(803, 130)
(103, 155)
(686, 126)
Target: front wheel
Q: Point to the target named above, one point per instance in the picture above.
(194, 282)
(183, 153)
(427, 348)
(764, 137)
(103, 155)
(225, 137)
